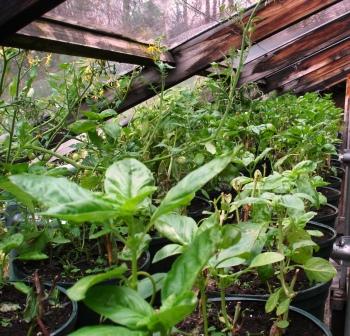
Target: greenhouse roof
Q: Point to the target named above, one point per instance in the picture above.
(298, 45)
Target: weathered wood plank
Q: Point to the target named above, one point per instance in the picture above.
(308, 65)
(321, 78)
(196, 54)
(15, 14)
(67, 38)
(304, 46)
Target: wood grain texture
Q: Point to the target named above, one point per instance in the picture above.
(15, 14)
(68, 38)
(331, 31)
(322, 78)
(321, 59)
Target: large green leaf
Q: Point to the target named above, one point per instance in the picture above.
(185, 269)
(93, 210)
(167, 251)
(266, 258)
(251, 237)
(319, 270)
(14, 190)
(105, 330)
(11, 242)
(126, 179)
(78, 291)
(122, 305)
(184, 191)
(172, 311)
(145, 286)
(177, 228)
(51, 191)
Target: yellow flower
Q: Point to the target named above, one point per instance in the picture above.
(48, 59)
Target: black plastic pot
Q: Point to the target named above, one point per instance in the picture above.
(334, 181)
(325, 243)
(332, 195)
(70, 324)
(312, 300)
(196, 208)
(320, 325)
(17, 274)
(328, 219)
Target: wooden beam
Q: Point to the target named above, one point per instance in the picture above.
(322, 78)
(15, 14)
(321, 59)
(195, 55)
(330, 32)
(69, 38)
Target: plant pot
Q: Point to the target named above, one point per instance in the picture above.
(69, 325)
(163, 265)
(196, 208)
(304, 323)
(336, 163)
(325, 243)
(332, 195)
(312, 299)
(327, 214)
(16, 272)
(334, 182)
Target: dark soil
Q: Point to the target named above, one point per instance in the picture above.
(12, 323)
(69, 264)
(323, 211)
(326, 236)
(251, 284)
(253, 321)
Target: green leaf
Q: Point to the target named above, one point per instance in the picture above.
(11, 242)
(266, 258)
(22, 287)
(122, 305)
(167, 251)
(172, 311)
(185, 269)
(184, 191)
(89, 210)
(17, 192)
(230, 236)
(82, 126)
(272, 301)
(105, 330)
(177, 228)
(282, 324)
(51, 191)
(112, 129)
(293, 202)
(126, 179)
(283, 307)
(319, 270)
(78, 291)
(34, 255)
(145, 287)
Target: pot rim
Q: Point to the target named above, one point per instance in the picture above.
(302, 312)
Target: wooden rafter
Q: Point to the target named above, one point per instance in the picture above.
(290, 78)
(15, 14)
(69, 38)
(304, 46)
(195, 55)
